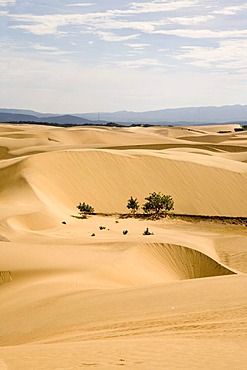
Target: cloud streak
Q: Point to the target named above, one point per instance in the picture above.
(109, 19)
(228, 55)
(138, 63)
(203, 33)
(7, 2)
(157, 6)
(80, 4)
(231, 10)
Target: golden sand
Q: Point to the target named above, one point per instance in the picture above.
(172, 300)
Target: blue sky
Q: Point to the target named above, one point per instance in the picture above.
(81, 56)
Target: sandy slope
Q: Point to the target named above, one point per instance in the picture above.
(53, 184)
(171, 300)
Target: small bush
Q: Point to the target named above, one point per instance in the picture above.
(125, 232)
(147, 232)
(158, 203)
(102, 227)
(92, 234)
(85, 208)
(133, 205)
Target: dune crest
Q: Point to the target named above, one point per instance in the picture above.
(158, 263)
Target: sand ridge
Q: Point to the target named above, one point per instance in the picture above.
(37, 180)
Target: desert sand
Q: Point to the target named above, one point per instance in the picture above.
(172, 300)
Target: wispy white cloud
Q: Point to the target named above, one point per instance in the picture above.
(159, 6)
(107, 20)
(109, 36)
(52, 24)
(138, 63)
(138, 46)
(42, 28)
(44, 48)
(231, 10)
(190, 21)
(229, 55)
(104, 23)
(7, 2)
(204, 34)
(162, 50)
(51, 50)
(80, 4)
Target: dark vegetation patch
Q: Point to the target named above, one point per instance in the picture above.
(225, 220)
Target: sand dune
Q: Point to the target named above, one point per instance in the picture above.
(71, 300)
(159, 310)
(49, 186)
(120, 265)
(215, 128)
(171, 262)
(159, 263)
(142, 326)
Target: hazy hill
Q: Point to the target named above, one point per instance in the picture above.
(13, 117)
(65, 119)
(193, 115)
(187, 115)
(27, 112)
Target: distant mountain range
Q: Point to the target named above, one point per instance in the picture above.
(176, 116)
(42, 118)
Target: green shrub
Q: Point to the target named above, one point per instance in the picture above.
(158, 203)
(133, 205)
(125, 232)
(85, 208)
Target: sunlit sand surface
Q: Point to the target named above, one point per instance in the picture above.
(172, 300)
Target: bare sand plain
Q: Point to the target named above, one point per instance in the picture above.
(172, 300)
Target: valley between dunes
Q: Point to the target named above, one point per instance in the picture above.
(172, 300)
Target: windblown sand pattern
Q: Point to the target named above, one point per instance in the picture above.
(5, 277)
(171, 300)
